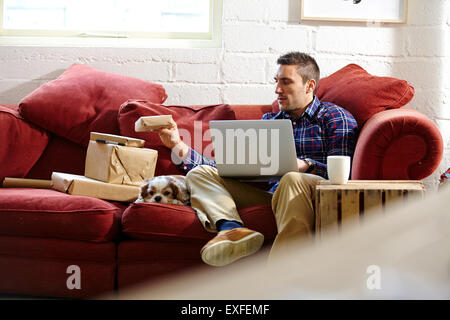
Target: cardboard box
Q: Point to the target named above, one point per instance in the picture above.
(152, 123)
(82, 186)
(120, 140)
(115, 160)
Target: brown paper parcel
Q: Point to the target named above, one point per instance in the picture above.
(26, 183)
(152, 123)
(126, 141)
(81, 186)
(119, 164)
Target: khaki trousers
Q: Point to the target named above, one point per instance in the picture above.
(215, 198)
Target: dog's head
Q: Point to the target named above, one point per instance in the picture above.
(164, 189)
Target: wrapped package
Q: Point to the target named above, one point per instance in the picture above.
(119, 160)
(152, 123)
(81, 186)
(27, 183)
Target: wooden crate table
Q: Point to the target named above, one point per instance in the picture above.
(337, 204)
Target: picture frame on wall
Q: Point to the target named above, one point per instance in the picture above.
(389, 11)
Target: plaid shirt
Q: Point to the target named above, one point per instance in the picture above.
(324, 129)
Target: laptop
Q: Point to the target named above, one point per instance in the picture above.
(254, 150)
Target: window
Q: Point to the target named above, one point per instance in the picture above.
(143, 19)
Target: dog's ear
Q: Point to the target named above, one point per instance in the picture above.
(179, 190)
(174, 186)
(144, 189)
(183, 196)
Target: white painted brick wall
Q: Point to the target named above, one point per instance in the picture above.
(364, 40)
(254, 34)
(193, 94)
(196, 72)
(238, 68)
(248, 94)
(249, 10)
(247, 37)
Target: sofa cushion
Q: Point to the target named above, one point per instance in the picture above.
(140, 261)
(83, 99)
(39, 267)
(192, 121)
(361, 93)
(250, 112)
(50, 214)
(61, 155)
(21, 143)
(153, 221)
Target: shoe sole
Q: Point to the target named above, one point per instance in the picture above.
(225, 252)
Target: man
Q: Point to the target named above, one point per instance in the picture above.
(320, 129)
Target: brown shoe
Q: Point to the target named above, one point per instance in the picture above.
(230, 245)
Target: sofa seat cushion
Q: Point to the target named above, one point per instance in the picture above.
(143, 261)
(40, 267)
(154, 221)
(83, 99)
(45, 248)
(21, 143)
(51, 214)
(192, 122)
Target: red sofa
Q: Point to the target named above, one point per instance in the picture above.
(44, 232)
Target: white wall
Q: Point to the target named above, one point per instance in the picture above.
(255, 33)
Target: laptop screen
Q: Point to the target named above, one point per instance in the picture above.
(253, 147)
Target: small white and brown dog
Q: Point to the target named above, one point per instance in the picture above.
(164, 189)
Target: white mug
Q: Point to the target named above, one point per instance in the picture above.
(338, 169)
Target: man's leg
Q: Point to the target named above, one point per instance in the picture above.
(216, 200)
(292, 205)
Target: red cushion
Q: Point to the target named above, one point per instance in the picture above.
(151, 221)
(186, 117)
(61, 155)
(45, 248)
(38, 267)
(250, 112)
(83, 99)
(51, 214)
(140, 261)
(21, 143)
(400, 144)
(363, 94)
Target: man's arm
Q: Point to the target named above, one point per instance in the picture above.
(341, 132)
(190, 158)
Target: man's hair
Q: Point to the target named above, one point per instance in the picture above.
(307, 67)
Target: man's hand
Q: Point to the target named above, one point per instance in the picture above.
(170, 137)
(302, 165)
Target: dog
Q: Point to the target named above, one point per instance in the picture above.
(164, 189)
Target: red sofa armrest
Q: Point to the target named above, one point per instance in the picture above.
(397, 144)
(21, 143)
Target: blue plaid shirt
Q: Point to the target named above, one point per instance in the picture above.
(324, 129)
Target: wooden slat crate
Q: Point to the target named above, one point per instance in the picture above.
(336, 205)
